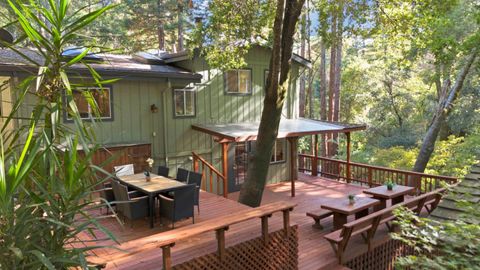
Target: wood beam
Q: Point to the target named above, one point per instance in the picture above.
(349, 173)
(225, 167)
(293, 141)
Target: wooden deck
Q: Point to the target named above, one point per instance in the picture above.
(314, 251)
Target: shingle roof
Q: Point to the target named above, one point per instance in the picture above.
(468, 189)
(115, 65)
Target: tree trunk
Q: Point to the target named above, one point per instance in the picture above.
(323, 94)
(160, 27)
(331, 83)
(338, 75)
(180, 25)
(444, 108)
(302, 76)
(286, 18)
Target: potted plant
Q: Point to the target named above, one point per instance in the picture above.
(351, 199)
(390, 184)
(147, 172)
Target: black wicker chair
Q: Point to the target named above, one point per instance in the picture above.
(128, 206)
(196, 178)
(180, 206)
(106, 193)
(163, 171)
(182, 175)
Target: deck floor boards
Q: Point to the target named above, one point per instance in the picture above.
(314, 251)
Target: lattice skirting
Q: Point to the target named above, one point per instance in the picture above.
(382, 257)
(279, 253)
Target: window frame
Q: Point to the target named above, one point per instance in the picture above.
(186, 89)
(250, 87)
(66, 118)
(284, 148)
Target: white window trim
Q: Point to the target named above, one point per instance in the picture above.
(274, 151)
(249, 88)
(184, 90)
(90, 116)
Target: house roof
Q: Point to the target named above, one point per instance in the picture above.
(288, 128)
(185, 55)
(112, 65)
(468, 189)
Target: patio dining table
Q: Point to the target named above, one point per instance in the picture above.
(381, 193)
(341, 209)
(157, 184)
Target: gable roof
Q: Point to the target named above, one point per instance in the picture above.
(185, 55)
(112, 65)
(468, 189)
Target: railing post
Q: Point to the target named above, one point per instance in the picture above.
(286, 221)
(220, 233)
(225, 167)
(195, 163)
(167, 257)
(370, 177)
(315, 156)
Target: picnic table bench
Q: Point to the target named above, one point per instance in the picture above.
(368, 225)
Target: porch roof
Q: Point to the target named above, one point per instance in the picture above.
(288, 128)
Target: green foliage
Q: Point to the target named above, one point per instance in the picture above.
(46, 185)
(446, 245)
(231, 28)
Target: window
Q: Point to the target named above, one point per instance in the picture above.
(238, 81)
(278, 152)
(102, 98)
(184, 100)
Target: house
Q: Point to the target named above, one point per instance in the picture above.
(160, 103)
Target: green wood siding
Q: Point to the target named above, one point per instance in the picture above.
(171, 137)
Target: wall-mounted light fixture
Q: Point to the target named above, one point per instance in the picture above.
(153, 108)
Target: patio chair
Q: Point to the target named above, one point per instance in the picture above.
(163, 171)
(180, 206)
(196, 178)
(128, 206)
(123, 170)
(106, 193)
(182, 175)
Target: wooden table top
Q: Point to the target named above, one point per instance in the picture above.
(343, 206)
(156, 184)
(384, 193)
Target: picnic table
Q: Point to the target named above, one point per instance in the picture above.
(342, 208)
(157, 184)
(381, 193)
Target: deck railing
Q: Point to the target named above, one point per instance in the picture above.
(370, 175)
(212, 178)
(274, 247)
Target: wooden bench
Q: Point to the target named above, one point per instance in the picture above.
(319, 215)
(166, 240)
(368, 225)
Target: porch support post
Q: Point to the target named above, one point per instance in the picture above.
(293, 141)
(349, 174)
(315, 156)
(225, 167)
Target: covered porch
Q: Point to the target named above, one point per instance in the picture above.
(289, 129)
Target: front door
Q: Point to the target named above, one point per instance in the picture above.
(238, 165)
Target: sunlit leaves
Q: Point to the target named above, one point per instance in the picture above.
(231, 28)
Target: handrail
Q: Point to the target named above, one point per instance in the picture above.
(166, 240)
(212, 171)
(382, 168)
(372, 175)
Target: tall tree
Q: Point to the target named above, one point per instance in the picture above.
(429, 29)
(225, 37)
